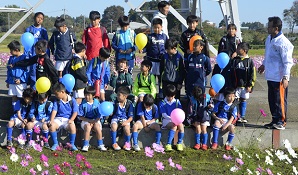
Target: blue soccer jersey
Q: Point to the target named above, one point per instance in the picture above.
(148, 114)
(223, 113)
(65, 109)
(89, 110)
(122, 112)
(21, 107)
(40, 112)
(167, 107)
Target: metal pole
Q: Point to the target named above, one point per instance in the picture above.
(8, 21)
(111, 25)
(200, 8)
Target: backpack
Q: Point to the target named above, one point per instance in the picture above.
(143, 109)
(127, 104)
(229, 111)
(46, 108)
(140, 83)
(131, 36)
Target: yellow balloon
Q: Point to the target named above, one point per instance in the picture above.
(43, 84)
(141, 41)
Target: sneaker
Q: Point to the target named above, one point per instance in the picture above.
(127, 146)
(214, 146)
(279, 126)
(73, 148)
(168, 147)
(204, 147)
(85, 148)
(179, 147)
(269, 125)
(242, 120)
(54, 147)
(9, 144)
(102, 148)
(136, 148)
(116, 147)
(197, 146)
(228, 147)
(46, 145)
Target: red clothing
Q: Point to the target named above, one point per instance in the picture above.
(94, 40)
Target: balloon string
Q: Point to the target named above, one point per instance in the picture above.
(221, 70)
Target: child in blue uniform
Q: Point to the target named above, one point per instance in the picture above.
(148, 114)
(224, 113)
(39, 115)
(166, 106)
(65, 110)
(17, 78)
(90, 116)
(121, 117)
(20, 117)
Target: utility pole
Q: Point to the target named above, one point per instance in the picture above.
(84, 22)
(111, 25)
(64, 12)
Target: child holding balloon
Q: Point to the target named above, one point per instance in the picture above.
(65, 110)
(17, 77)
(172, 120)
(90, 116)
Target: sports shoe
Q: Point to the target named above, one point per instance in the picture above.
(242, 120)
(269, 125)
(116, 147)
(168, 147)
(127, 146)
(197, 146)
(9, 144)
(136, 148)
(228, 147)
(279, 126)
(214, 146)
(85, 148)
(102, 148)
(54, 147)
(179, 147)
(73, 148)
(204, 147)
(46, 145)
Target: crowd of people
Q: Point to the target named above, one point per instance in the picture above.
(134, 99)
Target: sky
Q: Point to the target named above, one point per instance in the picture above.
(249, 10)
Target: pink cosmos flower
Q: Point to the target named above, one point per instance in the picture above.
(70, 170)
(29, 158)
(179, 167)
(37, 147)
(158, 148)
(79, 157)
(45, 172)
(32, 171)
(68, 145)
(12, 150)
(45, 164)
(88, 165)
(260, 169)
(121, 169)
(70, 153)
(44, 158)
(57, 168)
(239, 161)
(3, 168)
(269, 172)
(78, 165)
(45, 139)
(21, 139)
(172, 164)
(24, 163)
(66, 164)
(159, 165)
(36, 129)
(227, 157)
(85, 173)
(263, 112)
(149, 152)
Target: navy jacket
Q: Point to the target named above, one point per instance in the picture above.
(186, 36)
(156, 46)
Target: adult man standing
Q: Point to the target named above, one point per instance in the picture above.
(163, 10)
(278, 63)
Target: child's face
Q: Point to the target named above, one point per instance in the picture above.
(39, 19)
(192, 26)
(147, 107)
(27, 100)
(89, 97)
(144, 68)
(170, 98)
(157, 28)
(172, 51)
(230, 98)
(121, 97)
(62, 29)
(95, 22)
(14, 52)
(124, 28)
(122, 66)
(232, 31)
(198, 48)
(38, 51)
(241, 51)
(60, 95)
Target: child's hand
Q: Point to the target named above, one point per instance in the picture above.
(10, 65)
(126, 69)
(122, 51)
(128, 51)
(221, 121)
(115, 73)
(224, 127)
(140, 51)
(25, 121)
(248, 89)
(124, 123)
(17, 81)
(234, 55)
(106, 87)
(43, 120)
(70, 122)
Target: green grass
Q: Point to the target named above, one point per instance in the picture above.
(192, 161)
(4, 43)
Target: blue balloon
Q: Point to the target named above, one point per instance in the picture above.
(217, 82)
(27, 40)
(222, 60)
(106, 108)
(68, 81)
(208, 98)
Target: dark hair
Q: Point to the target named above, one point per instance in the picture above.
(276, 22)
(244, 46)
(123, 21)
(156, 21)
(170, 90)
(147, 63)
(148, 100)
(29, 93)
(14, 45)
(58, 87)
(90, 90)
(79, 47)
(197, 91)
(229, 91)
(41, 45)
(122, 60)
(205, 45)
(123, 90)
(192, 18)
(104, 52)
(60, 22)
(42, 96)
(38, 13)
(232, 26)
(171, 43)
(93, 15)
(162, 4)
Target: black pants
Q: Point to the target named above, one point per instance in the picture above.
(164, 86)
(277, 98)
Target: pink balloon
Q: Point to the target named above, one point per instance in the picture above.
(177, 116)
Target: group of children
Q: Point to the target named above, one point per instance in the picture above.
(88, 62)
